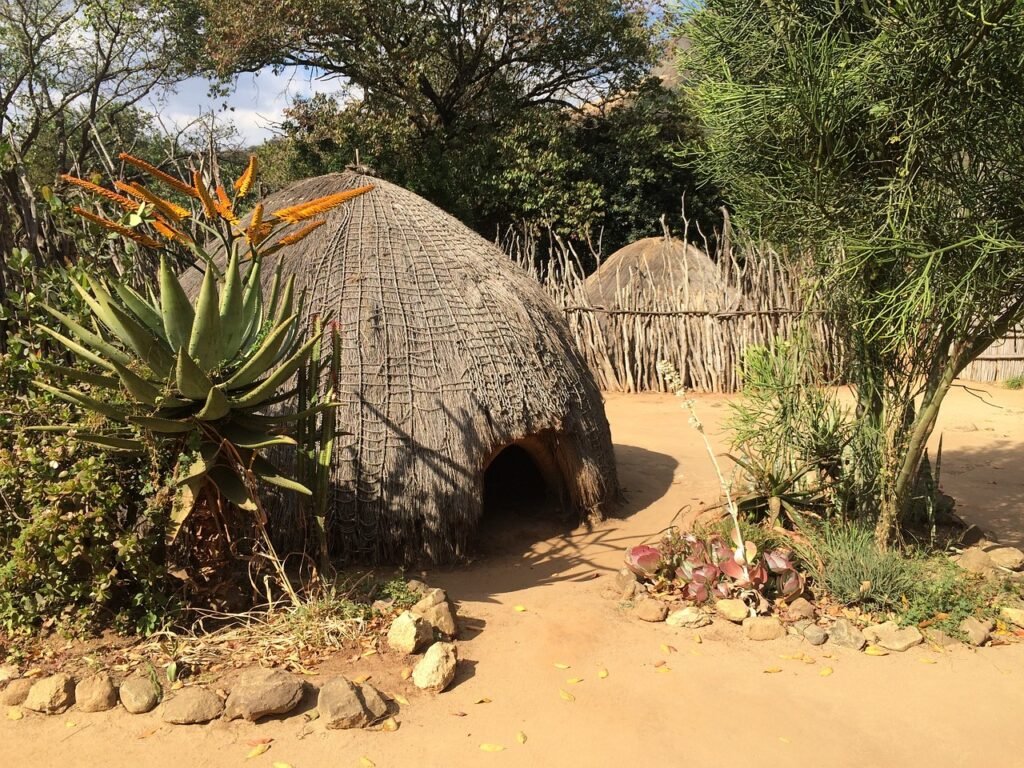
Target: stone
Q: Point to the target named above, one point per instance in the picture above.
(940, 639)
(624, 578)
(732, 609)
(1014, 616)
(8, 672)
(975, 560)
(416, 586)
(263, 692)
(974, 535)
(844, 633)
(343, 704)
(51, 695)
(16, 692)
(139, 695)
(763, 628)
(688, 618)
(801, 608)
(442, 619)
(1010, 558)
(96, 693)
(436, 670)
(192, 706)
(409, 633)
(893, 637)
(650, 609)
(382, 607)
(429, 600)
(815, 635)
(977, 631)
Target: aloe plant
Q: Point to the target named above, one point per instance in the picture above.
(198, 373)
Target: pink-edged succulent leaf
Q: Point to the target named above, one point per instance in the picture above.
(698, 593)
(722, 590)
(643, 560)
(706, 574)
(778, 560)
(789, 584)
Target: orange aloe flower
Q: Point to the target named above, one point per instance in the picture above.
(295, 237)
(156, 173)
(209, 206)
(131, 234)
(258, 229)
(224, 207)
(243, 184)
(124, 202)
(170, 233)
(296, 213)
(166, 207)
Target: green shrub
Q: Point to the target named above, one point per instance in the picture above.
(1014, 382)
(81, 530)
(945, 595)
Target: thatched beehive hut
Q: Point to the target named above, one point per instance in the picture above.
(450, 354)
(657, 273)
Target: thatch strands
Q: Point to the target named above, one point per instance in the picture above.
(449, 353)
(659, 299)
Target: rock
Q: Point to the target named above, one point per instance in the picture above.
(430, 599)
(1010, 558)
(1014, 616)
(51, 695)
(844, 633)
(975, 560)
(8, 672)
(732, 609)
(416, 586)
(801, 608)
(815, 635)
(974, 535)
(409, 633)
(343, 704)
(650, 609)
(624, 578)
(16, 692)
(96, 693)
(192, 706)
(893, 637)
(382, 607)
(139, 694)
(763, 628)
(977, 630)
(940, 639)
(263, 692)
(689, 618)
(436, 670)
(440, 617)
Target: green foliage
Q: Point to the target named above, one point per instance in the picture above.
(397, 590)
(883, 139)
(1014, 382)
(945, 595)
(81, 531)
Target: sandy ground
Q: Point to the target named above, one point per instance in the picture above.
(711, 702)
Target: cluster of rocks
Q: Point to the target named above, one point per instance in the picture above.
(801, 618)
(428, 626)
(989, 559)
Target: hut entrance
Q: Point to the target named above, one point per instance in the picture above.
(522, 496)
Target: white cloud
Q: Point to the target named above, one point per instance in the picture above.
(256, 102)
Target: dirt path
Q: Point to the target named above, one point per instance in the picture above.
(715, 704)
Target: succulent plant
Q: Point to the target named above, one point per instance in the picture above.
(195, 373)
(643, 560)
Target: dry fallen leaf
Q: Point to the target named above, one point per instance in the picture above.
(400, 699)
(664, 669)
(659, 663)
(519, 608)
(697, 640)
(257, 742)
(483, 700)
(459, 714)
(927, 661)
(390, 725)
(70, 724)
(566, 695)
(361, 678)
(365, 762)
(14, 713)
(258, 750)
(874, 650)
(521, 737)
(772, 670)
(406, 673)
(371, 652)
(560, 665)
(602, 673)
(574, 680)
(492, 748)
(281, 765)
(825, 671)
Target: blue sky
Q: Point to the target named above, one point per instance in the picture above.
(256, 102)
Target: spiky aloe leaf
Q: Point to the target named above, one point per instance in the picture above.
(176, 310)
(268, 473)
(205, 345)
(258, 395)
(261, 422)
(77, 398)
(142, 309)
(244, 438)
(162, 425)
(192, 381)
(217, 406)
(137, 386)
(231, 487)
(112, 442)
(252, 304)
(84, 377)
(233, 321)
(202, 464)
(97, 342)
(264, 357)
(183, 504)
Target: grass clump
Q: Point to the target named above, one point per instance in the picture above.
(1014, 382)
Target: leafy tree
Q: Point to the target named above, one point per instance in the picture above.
(884, 137)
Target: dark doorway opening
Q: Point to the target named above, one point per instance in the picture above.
(522, 499)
